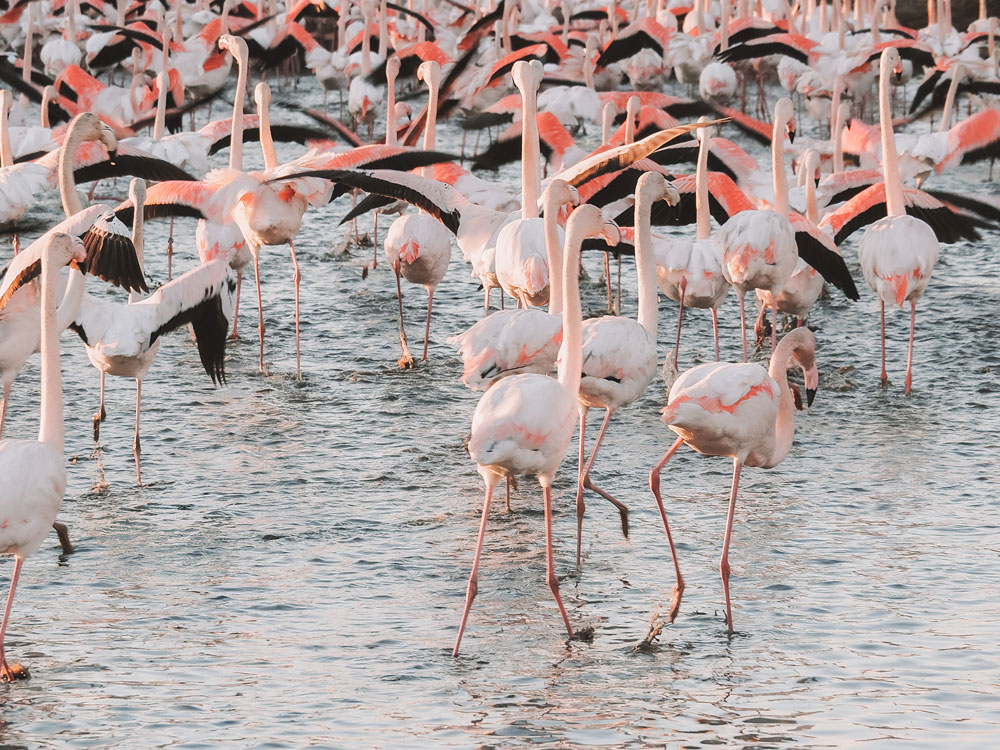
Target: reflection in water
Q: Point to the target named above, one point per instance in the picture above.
(293, 574)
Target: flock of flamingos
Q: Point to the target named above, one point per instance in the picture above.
(532, 74)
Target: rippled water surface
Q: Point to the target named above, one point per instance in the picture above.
(293, 571)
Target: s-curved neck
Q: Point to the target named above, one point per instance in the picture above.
(530, 155)
(890, 161)
(67, 186)
(553, 252)
(69, 305)
(778, 162)
(236, 137)
(51, 428)
(266, 140)
(160, 124)
(571, 352)
(645, 264)
(704, 224)
(784, 426)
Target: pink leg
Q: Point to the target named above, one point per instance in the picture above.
(607, 279)
(3, 406)
(101, 414)
(470, 592)
(136, 449)
(724, 561)
(589, 485)
(427, 328)
(7, 672)
(486, 294)
(375, 243)
(580, 506)
(680, 319)
(885, 375)
(236, 311)
(715, 331)
(296, 276)
(909, 355)
(508, 493)
(550, 572)
(774, 327)
(405, 360)
(743, 328)
(654, 485)
(260, 311)
(170, 251)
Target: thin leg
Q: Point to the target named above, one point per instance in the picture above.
(774, 325)
(170, 251)
(743, 327)
(3, 406)
(63, 533)
(296, 276)
(486, 294)
(508, 493)
(260, 311)
(550, 572)
(580, 506)
(136, 449)
(654, 485)
(101, 414)
(885, 375)
(909, 355)
(589, 484)
(427, 328)
(375, 243)
(236, 312)
(715, 331)
(7, 672)
(405, 360)
(470, 592)
(724, 561)
(618, 291)
(607, 280)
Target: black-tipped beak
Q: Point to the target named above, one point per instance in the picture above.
(112, 155)
(791, 135)
(897, 77)
(810, 395)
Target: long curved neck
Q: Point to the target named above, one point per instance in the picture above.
(160, 123)
(236, 136)
(390, 109)
(366, 48)
(812, 211)
(645, 265)
(949, 102)
(571, 353)
(67, 187)
(784, 425)
(51, 429)
(266, 140)
(724, 26)
(29, 48)
(431, 127)
(383, 35)
(704, 224)
(553, 253)
(530, 155)
(47, 94)
(890, 161)
(6, 154)
(778, 166)
(69, 305)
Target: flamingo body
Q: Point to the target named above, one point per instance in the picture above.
(897, 256)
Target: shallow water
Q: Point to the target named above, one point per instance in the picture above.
(292, 573)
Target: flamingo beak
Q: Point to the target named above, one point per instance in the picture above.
(612, 233)
(811, 377)
(112, 155)
(791, 134)
(810, 396)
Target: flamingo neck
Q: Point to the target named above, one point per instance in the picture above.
(530, 155)
(949, 102)
(6, 154)
(724, 26)
(982, 10)
(784, 425)
(704, 224)
(46, 98)
(73, 9)
(383, 32)
(571, 350)
(69, 306)
(645, 265)
(51, 428)
(67, 186)
(778, 161)
(29, 47)
(236, 134)
(890, 161)
(178, 29)
(812, 210)
(390, 109)
(266, 141)
(553, 252)
(137, 241)
(429, 130)
(366, 49)
(160, 123)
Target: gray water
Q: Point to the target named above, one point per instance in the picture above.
(292, 572)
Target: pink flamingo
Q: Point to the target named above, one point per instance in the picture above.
(35, 470)
(737, 410)
(524, 423)
(897, 253)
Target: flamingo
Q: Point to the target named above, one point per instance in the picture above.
(898, 252)
(35, 470)
(524, 423)
(619, 354)
(123, 340)
(758, 247)
(737, 410)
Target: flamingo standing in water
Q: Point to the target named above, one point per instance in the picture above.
(524, 423)
(737, 410)
(897, 253)
(34, 471)
(759, 249)
(619, 354)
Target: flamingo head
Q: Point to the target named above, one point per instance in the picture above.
(804, 353)
(784, 111)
